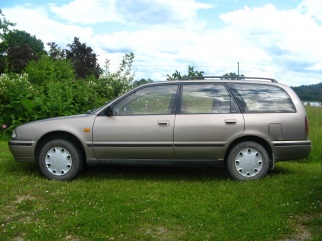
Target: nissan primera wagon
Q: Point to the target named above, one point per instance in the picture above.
(246, 125)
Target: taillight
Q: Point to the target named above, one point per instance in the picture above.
(306, 128)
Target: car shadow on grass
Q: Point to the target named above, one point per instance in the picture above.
(129, 172)
(170, 173)
(280, 170)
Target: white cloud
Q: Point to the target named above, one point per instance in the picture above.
(146, 12)
(286, 45)
(87, 12)
(38, 23)
(312, 8)
(291, 40)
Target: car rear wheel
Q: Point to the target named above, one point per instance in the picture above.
(60, 160)
(248, 161)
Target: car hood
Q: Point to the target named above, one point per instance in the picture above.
(57, 118)
(72, 124)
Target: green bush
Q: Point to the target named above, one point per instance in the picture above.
(13, 89)
(21, 101)
(47, 69)
(48, 89)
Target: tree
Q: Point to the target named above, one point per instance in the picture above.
(4, 24)
(55, 52)
(18, 48)
(232, 76)
(191, 74)
(83, 59)
(18, 38)
(113, 84)
(141, 82)
(4, 28)
(309, 92)
(18, 57)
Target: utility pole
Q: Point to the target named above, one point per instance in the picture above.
(238, 67)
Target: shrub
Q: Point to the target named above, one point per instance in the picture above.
(47, 69)
(13, 89)
(48, 89)
(21, 101)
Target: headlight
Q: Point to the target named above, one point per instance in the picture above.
(14, 134)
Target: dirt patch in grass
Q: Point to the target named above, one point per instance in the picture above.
(161, 233)
(303, 226)
(302, 232)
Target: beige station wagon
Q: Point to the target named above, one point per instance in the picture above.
(246, 125)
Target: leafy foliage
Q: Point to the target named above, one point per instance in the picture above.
(309, 92)
(232, 76)
(137, 83)
(4, 24)
(48, 89)
(18, 57)
(13, 89)
(113, 84)
(191, 74)
(21, 101)
(83, 59)
(19, 38)
(17, 49)
(60, 82)
(55, 52)
(48, 69)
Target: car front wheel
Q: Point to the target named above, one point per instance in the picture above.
(60, 160)
(248, 161)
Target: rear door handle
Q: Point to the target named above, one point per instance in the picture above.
(163, 123)
(231, 121)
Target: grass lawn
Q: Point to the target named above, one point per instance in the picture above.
(164, 203)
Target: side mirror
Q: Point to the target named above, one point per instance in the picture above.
(109, 111)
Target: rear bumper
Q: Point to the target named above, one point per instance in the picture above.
(23, 151)
(291, 150)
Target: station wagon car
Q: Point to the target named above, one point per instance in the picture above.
(246, 125)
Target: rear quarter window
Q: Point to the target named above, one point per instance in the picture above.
(262, 98)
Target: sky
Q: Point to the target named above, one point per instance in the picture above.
(279, 39)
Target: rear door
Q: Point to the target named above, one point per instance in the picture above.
(207, 119)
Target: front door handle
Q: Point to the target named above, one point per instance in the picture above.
(163, 123)
(231, 121)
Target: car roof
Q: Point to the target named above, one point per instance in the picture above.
(225, 78)
(220, 79)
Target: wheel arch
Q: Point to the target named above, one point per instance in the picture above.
(256, 139)
(59, 135)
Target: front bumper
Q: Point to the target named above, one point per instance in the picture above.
(23, 151)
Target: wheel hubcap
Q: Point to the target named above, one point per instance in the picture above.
(58, 161)
(248, 162)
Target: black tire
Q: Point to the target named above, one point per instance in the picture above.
(248, 161)
(60, 160)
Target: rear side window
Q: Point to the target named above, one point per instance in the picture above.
(261, 98)
(206, 99)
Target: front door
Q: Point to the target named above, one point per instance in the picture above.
(141, 126)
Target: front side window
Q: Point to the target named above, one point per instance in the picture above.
(153, 100)
(206, 99)
(261, 98)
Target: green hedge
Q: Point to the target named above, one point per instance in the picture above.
(21, 101)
